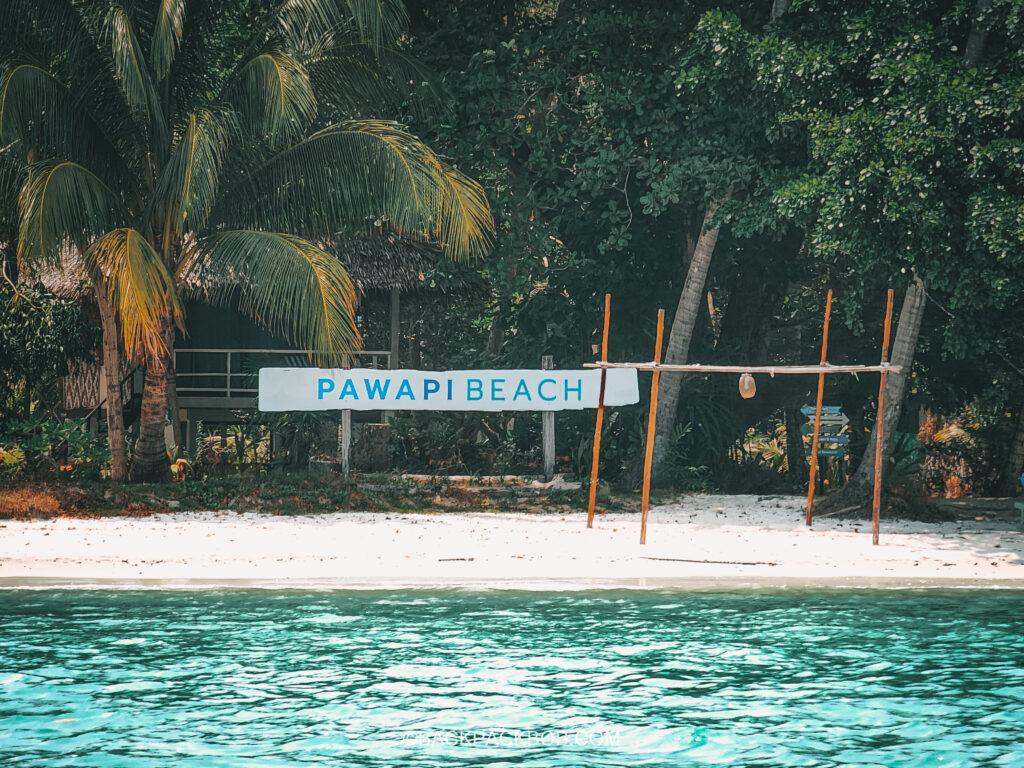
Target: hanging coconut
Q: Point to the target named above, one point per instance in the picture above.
(748, 388)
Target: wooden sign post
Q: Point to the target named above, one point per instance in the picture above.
(652, 419)
(547, 362)
(817, 407)
(876, 502)
(592, 502)
(821, 369)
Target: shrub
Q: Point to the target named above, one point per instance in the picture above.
(47, 446)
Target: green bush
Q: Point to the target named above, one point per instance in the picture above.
(37, 446)
(39, 336)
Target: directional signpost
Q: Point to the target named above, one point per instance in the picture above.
(836, 452)
(831, 437)
(826, 410)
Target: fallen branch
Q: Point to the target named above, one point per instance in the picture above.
(712, 562)
(839, 511)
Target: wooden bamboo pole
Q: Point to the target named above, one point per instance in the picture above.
(771, 370)
(876, 503)
(651, 420)
(817, 409)
(600, 416)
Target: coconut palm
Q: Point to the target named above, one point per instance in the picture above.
(165, 139)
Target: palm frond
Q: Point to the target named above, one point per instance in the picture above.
(63, 203)
(188, 185)
(47, 27)
(129, 65)
(132, 75)
(142, 289)
(380, 22)
(40, 111)
(377, 22)
(82, 103)
(286, 284)
(170, 21)
(274, 96)
(465, 229)
(365, 174)
(357, 80)
(12, 177)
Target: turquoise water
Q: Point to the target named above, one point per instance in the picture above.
(450, 678)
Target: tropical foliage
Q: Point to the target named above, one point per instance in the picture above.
(728, 160)
(860, 145)
(49, 446)
(168, 142)
(40, 336)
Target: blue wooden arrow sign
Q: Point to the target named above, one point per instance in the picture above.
(825, 429)
(829, 439)
(835, 410)
(834, 452)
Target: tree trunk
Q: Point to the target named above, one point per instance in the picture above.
(112, 379)
(175, 411)
(795, 463)
(779, 8)
(503, 306)
(859, 489)
(150, 462)
(744, 328)
(172, 392)
(1014, 460)
(687, 310)
(978, 35)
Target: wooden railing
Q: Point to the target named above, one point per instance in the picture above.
(234, 373)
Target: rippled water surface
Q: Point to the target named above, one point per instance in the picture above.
(354, 678)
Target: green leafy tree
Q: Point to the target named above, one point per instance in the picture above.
(604, 133)
(739, 154)
(603, 163)
(159, 139)
(39, 336)
(917, 174)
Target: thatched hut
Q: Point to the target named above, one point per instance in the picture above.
(221, 351)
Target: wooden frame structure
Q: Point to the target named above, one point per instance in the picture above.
(656, 367)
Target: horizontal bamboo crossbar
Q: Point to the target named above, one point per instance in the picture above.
(769, 369)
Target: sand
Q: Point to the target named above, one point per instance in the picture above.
(696, 539)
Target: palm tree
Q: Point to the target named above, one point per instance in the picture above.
(165, 139)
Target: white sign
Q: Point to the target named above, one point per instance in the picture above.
(369, 389)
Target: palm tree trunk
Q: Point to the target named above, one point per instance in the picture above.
(172, 391)
(1014, 460)
(149, 462)
(859, 489)
(689, 306)
(112, 379)
(978, 36)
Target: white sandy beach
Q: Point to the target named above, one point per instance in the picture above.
(699, 537)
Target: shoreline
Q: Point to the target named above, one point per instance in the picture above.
(697, 540)
(726, 585)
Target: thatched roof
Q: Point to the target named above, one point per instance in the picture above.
(68, 283)
(375, 264)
